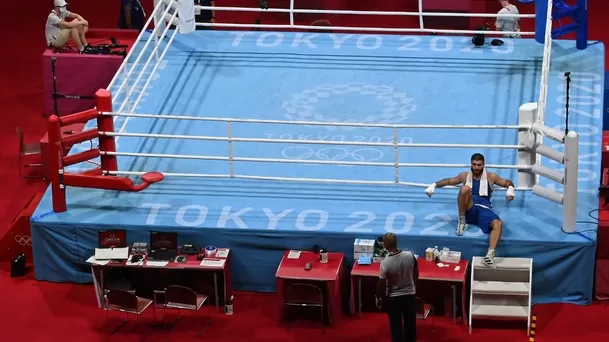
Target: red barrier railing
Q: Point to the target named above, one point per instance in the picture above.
(97, 178)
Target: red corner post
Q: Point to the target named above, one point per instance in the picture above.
(105, 123)
(58, 190)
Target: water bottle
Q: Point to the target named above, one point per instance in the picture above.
(228, 307)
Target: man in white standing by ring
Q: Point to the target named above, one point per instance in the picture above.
(511, 24)
(474, 202)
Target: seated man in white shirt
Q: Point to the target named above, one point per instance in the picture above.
(511, 24)
(58, 30)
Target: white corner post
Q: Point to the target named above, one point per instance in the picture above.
(527, 116)
(571, 179)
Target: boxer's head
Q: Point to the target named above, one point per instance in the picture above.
(477, 165)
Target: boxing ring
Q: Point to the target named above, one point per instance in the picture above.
(265, 141)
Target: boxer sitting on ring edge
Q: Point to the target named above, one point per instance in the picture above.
(474, 201)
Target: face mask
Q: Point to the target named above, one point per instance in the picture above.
(62, 10)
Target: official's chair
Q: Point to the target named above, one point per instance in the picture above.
(425, 311)
(28, 150)
(182, 298)
(127, 302)
(304, 295)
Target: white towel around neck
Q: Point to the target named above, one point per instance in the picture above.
(483, 191)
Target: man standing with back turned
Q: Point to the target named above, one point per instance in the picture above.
(510, 24)
(474, 202)
(398, 278)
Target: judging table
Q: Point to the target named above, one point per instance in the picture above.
(428, 270)
(330, 273)
(217, 264)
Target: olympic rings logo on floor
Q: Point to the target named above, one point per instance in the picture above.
(23, 240)
(363, 154)
(393, 106)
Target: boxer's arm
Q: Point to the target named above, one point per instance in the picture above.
(458, 179)
(505, 183)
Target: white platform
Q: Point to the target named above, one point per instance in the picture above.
(501, 292)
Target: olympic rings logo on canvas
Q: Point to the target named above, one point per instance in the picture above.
(393, 106)
(23, 240)
(363, 154)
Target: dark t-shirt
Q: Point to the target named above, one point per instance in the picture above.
(204, 15)
(138, 18)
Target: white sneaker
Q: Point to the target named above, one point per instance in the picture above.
(461, 228)
(489, 261)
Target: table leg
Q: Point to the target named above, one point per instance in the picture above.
(359, 296)
(454, 287)
(216, 292)
(103, 292)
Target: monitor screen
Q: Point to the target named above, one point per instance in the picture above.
(116, 238)
(163, 240)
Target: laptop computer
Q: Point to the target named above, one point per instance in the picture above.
(163, 246)
(112, 245)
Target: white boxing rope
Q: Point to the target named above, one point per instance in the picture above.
(557, 176)
(291, 179)
(570, 159)
(303, 161)
(309, 123)
(550, 153)
(145, 67)
(134, 47)
(547, 193)
(295, 141)
(350, 12)
(420, 14)
(168, 18)
(156, 30)
(361, 29)
(549, 132)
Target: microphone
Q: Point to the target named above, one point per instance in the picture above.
(309, 264)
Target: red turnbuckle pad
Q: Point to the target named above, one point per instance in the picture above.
(152, 177)
(111, 182)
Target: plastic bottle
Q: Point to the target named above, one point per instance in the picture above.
(228, 307)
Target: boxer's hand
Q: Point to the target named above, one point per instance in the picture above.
(510, 194)
(429, 191)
